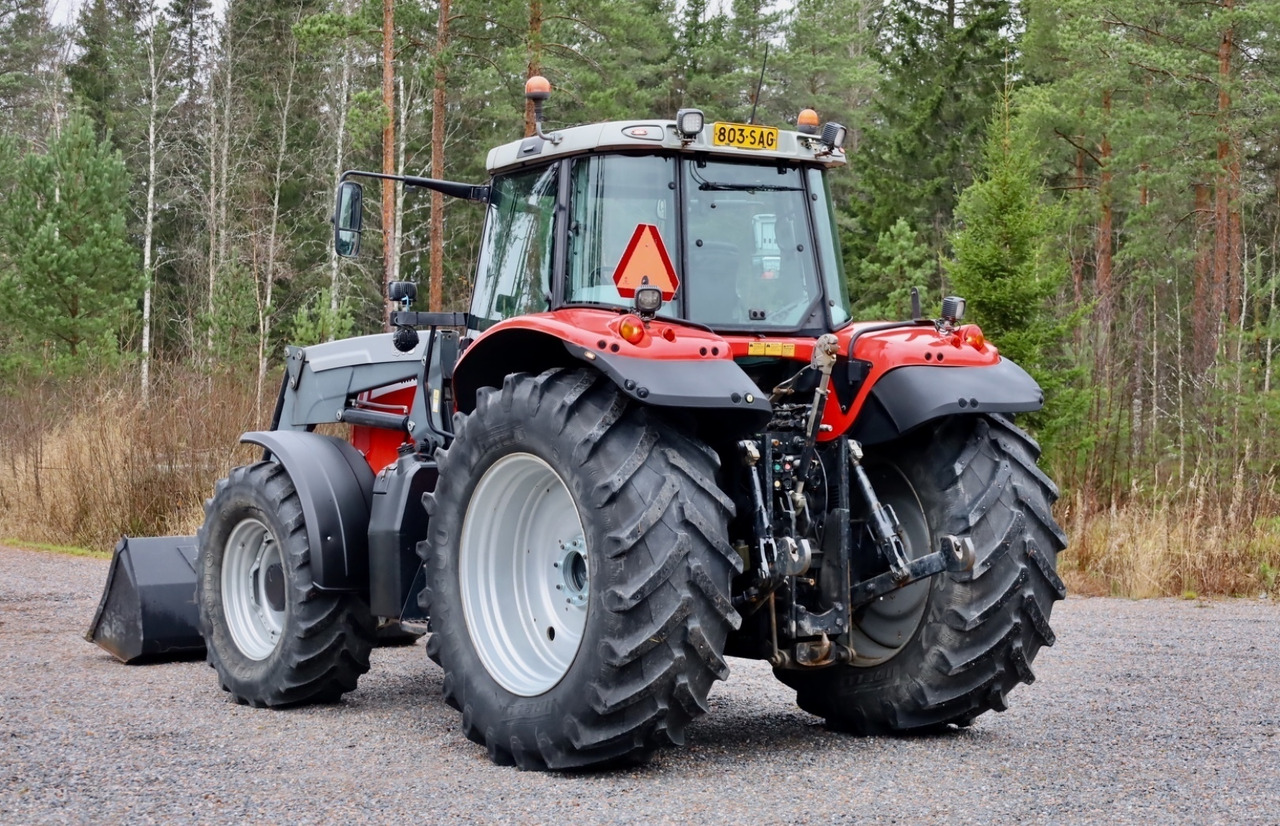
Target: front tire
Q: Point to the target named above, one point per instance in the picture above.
(273, 638)
(942, 651)
(578, 574)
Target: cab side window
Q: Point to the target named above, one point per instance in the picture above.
(513, 275)
(612, 196)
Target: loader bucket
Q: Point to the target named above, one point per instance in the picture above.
(148, 610)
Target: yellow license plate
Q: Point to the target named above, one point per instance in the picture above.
(744, 136)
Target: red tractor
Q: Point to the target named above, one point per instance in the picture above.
(657, 440)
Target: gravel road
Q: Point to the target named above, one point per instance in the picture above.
(1158, 711)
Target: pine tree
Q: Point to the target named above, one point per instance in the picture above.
(70, 282)
(827, 65)
(27, 48)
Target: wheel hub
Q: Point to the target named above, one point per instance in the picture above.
(573, 571)
(273, 587)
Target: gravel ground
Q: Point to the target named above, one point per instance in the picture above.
(1157, 711)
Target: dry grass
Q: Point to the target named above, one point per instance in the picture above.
(1191, 545)
(82, 463)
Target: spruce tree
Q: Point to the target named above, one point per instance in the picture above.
(898, 261)
(942, 68)
(1003, 263)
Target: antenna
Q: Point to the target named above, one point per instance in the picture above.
(759, 83)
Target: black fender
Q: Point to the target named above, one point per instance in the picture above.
(698, 385)
(720, 396)
(906, 397)
(335, 486)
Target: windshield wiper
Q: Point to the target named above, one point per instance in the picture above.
(719, 186)
(716, 186)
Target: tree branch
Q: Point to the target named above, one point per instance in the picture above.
(1066, 138)
(1124, 24)
(1156, 70)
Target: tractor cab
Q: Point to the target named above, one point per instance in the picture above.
(733, 223)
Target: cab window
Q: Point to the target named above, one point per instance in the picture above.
(513, 274)
(611, 196)
(750, 257)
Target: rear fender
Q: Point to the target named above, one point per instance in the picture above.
(714, 390)
(907, 397)
(335, 486)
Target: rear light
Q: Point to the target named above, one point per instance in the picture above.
(631, 329)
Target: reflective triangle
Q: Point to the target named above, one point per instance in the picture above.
(646, 263)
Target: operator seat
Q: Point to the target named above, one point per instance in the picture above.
(714, 269)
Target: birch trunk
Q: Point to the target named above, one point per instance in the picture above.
(439, 105)
(266, 293)
(339, 153)
(148, 221)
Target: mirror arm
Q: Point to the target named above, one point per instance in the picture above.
(453, 189)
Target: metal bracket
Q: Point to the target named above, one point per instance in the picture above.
(831, 621)
(956, 555)
(820, 653)
(293, 363)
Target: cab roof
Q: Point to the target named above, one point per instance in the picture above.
(658, 136)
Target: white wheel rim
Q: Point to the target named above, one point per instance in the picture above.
(254, 592)
(523, 574)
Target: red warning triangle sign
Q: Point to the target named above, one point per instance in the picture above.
(646, 263)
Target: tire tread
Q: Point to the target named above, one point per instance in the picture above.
(666, 610)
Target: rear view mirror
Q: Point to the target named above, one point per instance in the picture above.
(347, 219)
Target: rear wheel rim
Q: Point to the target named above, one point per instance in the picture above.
(524, 574)
(254, 596)
(885, 626)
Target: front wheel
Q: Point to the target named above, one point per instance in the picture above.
(942, 651)
(273, 638)
(578, 574)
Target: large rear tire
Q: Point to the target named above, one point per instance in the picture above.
(273, 638)
(578, 574)
(943, 651)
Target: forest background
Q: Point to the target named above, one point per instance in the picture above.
(1100, 180)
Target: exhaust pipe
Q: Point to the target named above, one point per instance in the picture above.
(148, 609)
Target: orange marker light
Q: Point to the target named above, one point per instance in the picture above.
(631, 329)
(537, 88)
(974, 338)
(807, 122)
